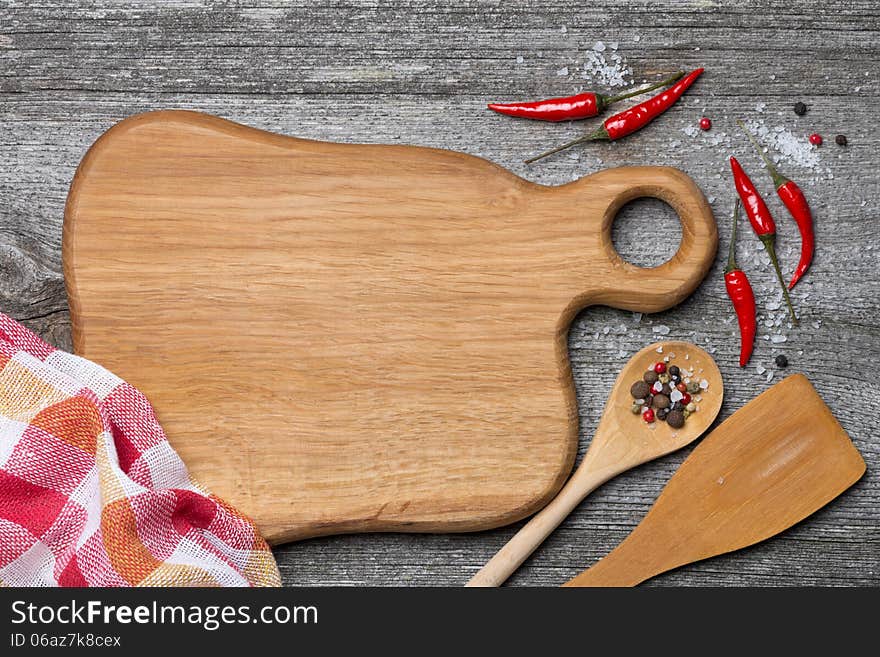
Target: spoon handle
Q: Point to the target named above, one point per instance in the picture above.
(510, 557)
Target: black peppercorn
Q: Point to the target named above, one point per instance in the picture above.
(781, 361)
(650, 377)
(800, 109)
(674, 371)
(675, 419)
(662, 413)
(660, 401)
(840, 140)
(675, 378)
(640, 390)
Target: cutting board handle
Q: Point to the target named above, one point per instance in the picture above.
(651, 289)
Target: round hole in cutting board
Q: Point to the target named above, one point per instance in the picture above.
(646, 232)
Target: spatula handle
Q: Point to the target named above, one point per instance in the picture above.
(542, 524)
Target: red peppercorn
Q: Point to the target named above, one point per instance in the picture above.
(660, 367)
(705, 123)
(686, 398)
(648, 415)
(681, 387)
(816, 139)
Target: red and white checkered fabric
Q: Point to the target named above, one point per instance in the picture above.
(91, 492)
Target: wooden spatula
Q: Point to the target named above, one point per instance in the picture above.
(777, 460)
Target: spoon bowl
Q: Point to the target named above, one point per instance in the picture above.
(622, 441)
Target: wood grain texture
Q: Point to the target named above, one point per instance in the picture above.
(343, 338)
(778, 459)
(421, 72)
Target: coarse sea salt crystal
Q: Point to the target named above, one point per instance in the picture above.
(660, 349)
(662, 329)
(637, 38)
(563, 71)
(519, 59)
(637, 317)
(704, 385)
(657, 386)
(760, 369)
(615, 73)
(769, 376)
(776, 339)
(676, 395)
(599, 46)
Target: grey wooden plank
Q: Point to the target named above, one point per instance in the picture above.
(420, 72)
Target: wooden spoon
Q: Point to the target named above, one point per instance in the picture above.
(622, 441)
(771, 464)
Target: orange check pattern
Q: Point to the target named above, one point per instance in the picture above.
(91, 492)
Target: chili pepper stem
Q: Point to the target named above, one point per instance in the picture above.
(731, 257)
(771, 251)
(644, 90)
(778, 179)
(598, 135)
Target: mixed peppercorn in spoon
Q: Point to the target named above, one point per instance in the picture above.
(668, 393)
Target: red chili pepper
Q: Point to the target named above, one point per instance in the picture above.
(572, 108)
(761, 220)
(740, 292)
(630, 120)
(793, 199)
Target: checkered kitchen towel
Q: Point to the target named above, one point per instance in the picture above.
(92, 494)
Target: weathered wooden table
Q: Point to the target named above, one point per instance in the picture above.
(421, 73)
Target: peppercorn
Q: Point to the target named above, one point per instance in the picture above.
(705, 123)
(691, 407)
(635, 408)
(650, 377)
(781, 361)
(676, 406)
(840, 140)
(640, 390)
(660, 401)
(660, 367)
(649, 400)
(664, 378)
(686, 413)
(800, 109)
(693, 387)
(648, 415)
(816, 139)
(661, 413)
(674, 370)
(675, 419)
(674, 379)
(681, 387)
(666, 389)
(686, 398)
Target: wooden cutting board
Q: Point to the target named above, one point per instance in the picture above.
(343, 338)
